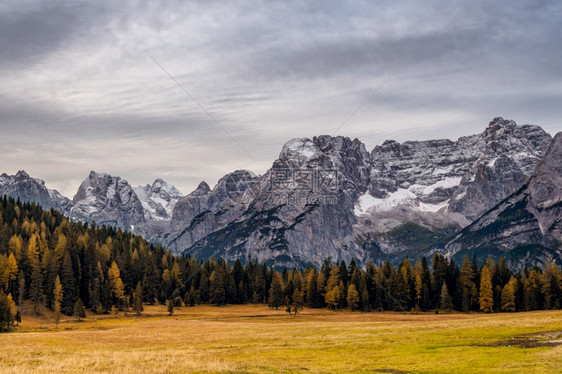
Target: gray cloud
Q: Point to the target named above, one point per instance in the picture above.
(78, 92)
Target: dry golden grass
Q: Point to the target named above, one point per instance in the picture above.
(254, 339)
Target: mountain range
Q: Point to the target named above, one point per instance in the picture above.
(494, 193)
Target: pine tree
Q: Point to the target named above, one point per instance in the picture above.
(68, 285)
(276, 292)
(549, 283)
(218, 286)
(170, 307)
(530, 291)
(333, 298)
(137, 300)
(114, 276)
(36, 286)
(486, 291)
(21, 289)
(12, 272)
(445, 301)
(60, 248)
(79, 312)
(311, 296)
(190, 297)
(320, 288)
(365, 300)
(468, 287)
(297, 301)
(95, 293)
(7, 312)
(508, 296)
(57, 299)
(352, 297)
(418, 286)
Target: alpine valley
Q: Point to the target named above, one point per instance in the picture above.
(497, 193)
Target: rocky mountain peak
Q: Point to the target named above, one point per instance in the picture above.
(164, 189)
(22, 174)
(30, 189)
(345, 157)
(202, 189)
(108, 200)
(526, 226)
(498, 124)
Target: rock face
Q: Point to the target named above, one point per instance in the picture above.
(205, 211)
(329, 197)
(29, 189)
(306, 198)
(158, 200)
(400, 199)
(445, 185)
(144, 210)
(525, 227)
(108, 201)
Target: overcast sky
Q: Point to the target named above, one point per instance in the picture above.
(79, 90)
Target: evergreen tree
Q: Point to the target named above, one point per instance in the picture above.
(79, 312)
(11, 272)
(530, 291)
(418, 286)
(320, 287)
(297, 302)
(36, 286)
(190, 297)
(333, 298)
(549, 284)
(508, 296)
(7, 312)
(95, 292)
(276, 292)
(486, 292)
(68, 286)
(218, 286)
(445, 301)
(117, 287)
(312, 290)
(170, 307)
(57, 299)
(21, 289)
(137, 300)
(352, 297)
(468, 287)
(204, 289)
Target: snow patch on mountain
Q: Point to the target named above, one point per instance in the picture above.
(409, 197)
(422, 190)
(158, 200)
(300, 147)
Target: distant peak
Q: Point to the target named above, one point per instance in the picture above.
(201, 190)
(158, 183)
(500, 122)
(303, 147)
(22, 174)
(96, 175)
(203, 186)
(390, 142)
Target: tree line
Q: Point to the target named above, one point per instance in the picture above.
(47, 261)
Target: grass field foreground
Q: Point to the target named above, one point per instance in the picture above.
(256, 339)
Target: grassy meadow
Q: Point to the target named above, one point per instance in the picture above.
(256, 339)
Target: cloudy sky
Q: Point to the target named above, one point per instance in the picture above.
(90, 85)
